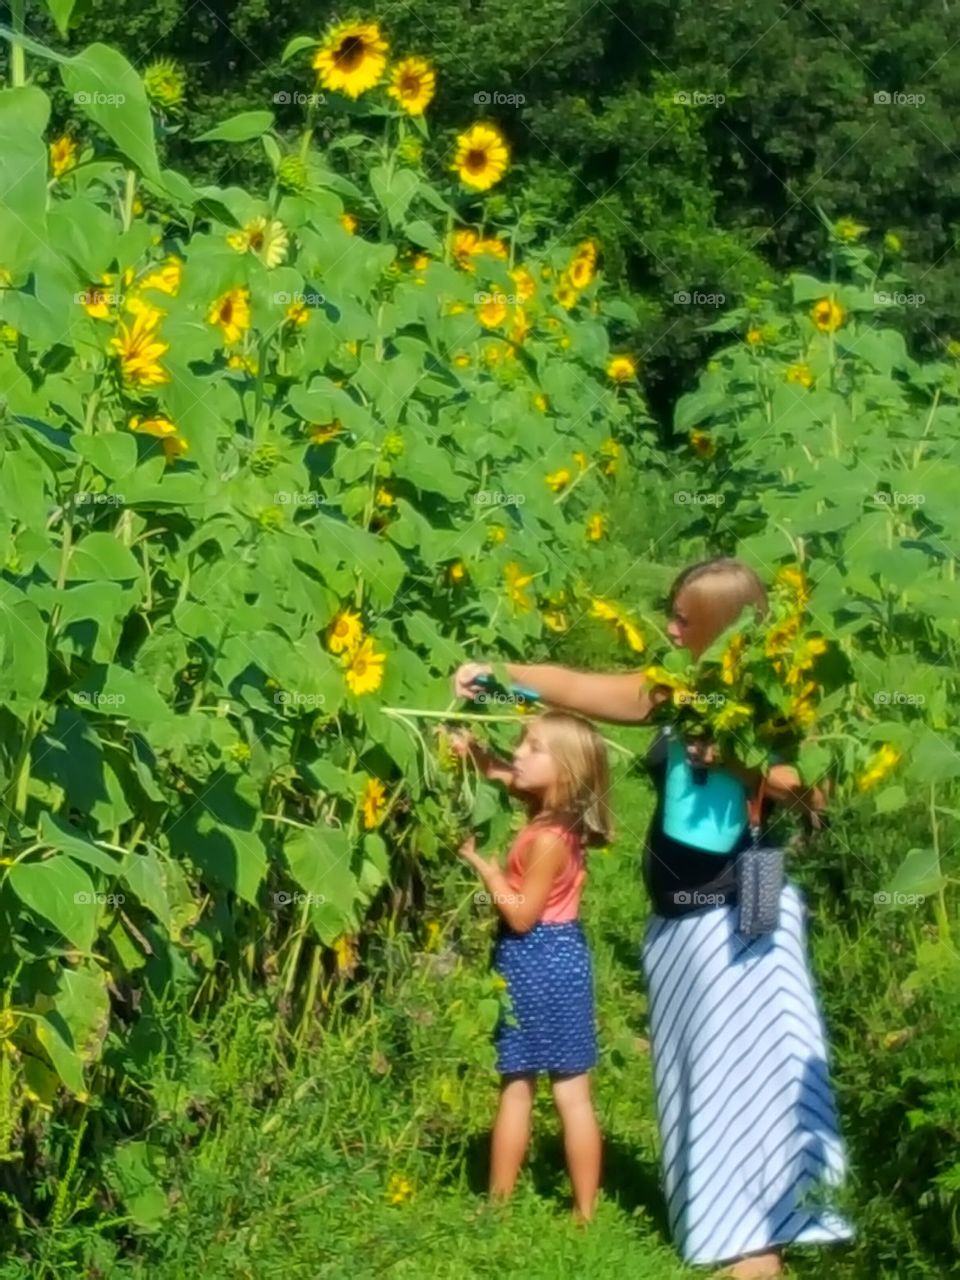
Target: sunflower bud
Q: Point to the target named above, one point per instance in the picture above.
(410, 150)
(264, 458)
(292, 175)
(270, 518)
(165, 82)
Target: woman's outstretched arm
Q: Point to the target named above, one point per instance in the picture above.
(620, 697)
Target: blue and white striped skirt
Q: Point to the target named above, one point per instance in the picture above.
(748, 1125)
(549, 977)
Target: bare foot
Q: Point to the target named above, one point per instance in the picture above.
(762, 1266)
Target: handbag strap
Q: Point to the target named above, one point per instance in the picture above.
(755, 806)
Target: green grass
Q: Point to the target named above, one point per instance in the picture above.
(272, 1164)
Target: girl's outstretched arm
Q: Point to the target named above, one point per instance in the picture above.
(620, 697)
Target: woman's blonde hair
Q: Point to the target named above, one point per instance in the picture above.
(583, 785)
(723, 586)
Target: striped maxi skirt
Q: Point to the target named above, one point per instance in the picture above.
(748, 1125)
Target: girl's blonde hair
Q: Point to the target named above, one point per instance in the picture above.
(723, 586)
(583, 785)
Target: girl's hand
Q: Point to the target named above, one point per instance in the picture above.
(468, 851)
(464, 676)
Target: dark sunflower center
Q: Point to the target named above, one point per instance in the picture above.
(351, 53)
(410, 84)
(476, 159)
(360, 666)
(256, 240)
(226, 312)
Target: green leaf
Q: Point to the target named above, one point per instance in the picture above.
(113, 453)
(919, 874)
(101, 556)
(394, 191)
(319, 861)
(295, 45)
(61, 893)
(145, 877)
(53, 1034)
(107, 89)
(23, 651)
(24, 114)
(890, 799)
(239, 128)
(421, 233)
(58, 835)
(63, 11)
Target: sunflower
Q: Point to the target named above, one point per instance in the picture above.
(297, 314)
(246, 363)
(848, 230)
(702, 444)
(352, 58)
(413, 84)
(732, 715)
(603, 610)
(323, 432)
(517, 582)
(96, 301)
(63, 155)
(596, 527)
(348, 222)
(559, 479)
(496, 534)
(398, 1189)
(265, 237)
(660, 678)
(730, 659)
(166, 277)
(804, 659)
(231, 312)
(827, 315)
(782, 635)
(879, 767)
(555, 619)
(567, 296)
(492, 313)
(365, 668)
(586, 250)
(621, 369)
(800, 373)
(610, 451)
(373, 801)
(526, 285)
(385, 498)
(164, 430)
(793, 581)
(345, 632)
(580, 458)
(165, 82)
(754, 337)
(580, 272)
(139, 349)
(632, 634)
(457, 572)
(520, 326)
(345, 949)
(482, 157)
(462, 360)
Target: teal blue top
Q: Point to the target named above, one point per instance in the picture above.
(711, 815)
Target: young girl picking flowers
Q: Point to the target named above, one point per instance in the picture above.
(561, 773)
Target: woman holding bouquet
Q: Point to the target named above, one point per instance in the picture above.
(745, 1108)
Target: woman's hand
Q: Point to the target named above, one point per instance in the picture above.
(464, 676)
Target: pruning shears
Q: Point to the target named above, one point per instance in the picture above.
(516, 693)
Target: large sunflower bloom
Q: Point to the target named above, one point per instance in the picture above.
(63, 155)
(827, 315)
(345, 633)
(621, 369)
(879, 767)
(352, 58)
(139, 349)
(482, 157)
(231, 312)
(373, 802)
(162, 429)
(267, 238)
(166, 276)
(365, 668)
(413, 84)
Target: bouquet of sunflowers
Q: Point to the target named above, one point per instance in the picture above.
(757, 690)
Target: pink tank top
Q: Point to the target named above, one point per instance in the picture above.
(563, 904)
